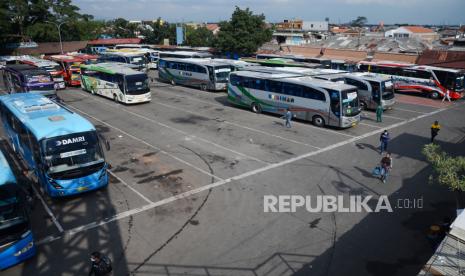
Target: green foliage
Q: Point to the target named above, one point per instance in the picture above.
(359, 22)
(200, 37)
(160, 31)
(447, 170)
(244, 33)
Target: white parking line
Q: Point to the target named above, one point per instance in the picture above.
(370, 125)
(407, 110)
(165, 201)
(129, 186)
(47, 209)
(248, 128)
(147, 144)
(180, 131)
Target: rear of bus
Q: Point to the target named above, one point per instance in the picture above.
(16, 239)
(39, 81)
(57, 74)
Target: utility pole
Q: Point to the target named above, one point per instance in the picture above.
(59, 32)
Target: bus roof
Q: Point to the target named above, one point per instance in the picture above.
(43, 117)
(429, 67)
(198, 61)
(65, 58)
(25, 68)
(187, 53)
(37, 61)
(112, 68)
(6, 174)
(371, 76)
(131, 53)
(294, 78)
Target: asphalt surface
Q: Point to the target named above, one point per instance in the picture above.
(189, 173)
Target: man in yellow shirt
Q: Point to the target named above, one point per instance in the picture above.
(435, 128)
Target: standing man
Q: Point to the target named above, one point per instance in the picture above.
(288, 116)
(379, 113)
(384, 140)
(446, 95)
(101, 265)
(435, 128)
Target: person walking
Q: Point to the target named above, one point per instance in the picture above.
(386, 166)
(435, 128)
(101, 265)
(379, 113)
(446, 95)
(384, 140)
(288, 117)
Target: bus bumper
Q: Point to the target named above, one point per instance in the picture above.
(78, 186)
(18, 252)
(350, 121)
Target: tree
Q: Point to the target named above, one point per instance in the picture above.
(160, 31)
(244, 33)
(200, 37)
(447, 170)
(359, 22)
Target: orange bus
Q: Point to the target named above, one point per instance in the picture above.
(71, 68)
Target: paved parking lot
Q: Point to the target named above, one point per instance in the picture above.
(188, 177)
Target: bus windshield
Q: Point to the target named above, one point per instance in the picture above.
(71, 154)
(350, 104)
(13, 219)
(222, 73)
(137, 84)
(387, 89)
(459, 83)
(138, 60)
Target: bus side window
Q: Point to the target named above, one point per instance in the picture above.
(162, 63)
(24, 136)
(35, 151)
(234, 79)
(189, 67)
(275, 86)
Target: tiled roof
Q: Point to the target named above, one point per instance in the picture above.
(212, 27)
(418, 29)
(114, 41)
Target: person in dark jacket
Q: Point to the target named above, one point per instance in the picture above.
(384, 140)
(101, 265)
(386, 166)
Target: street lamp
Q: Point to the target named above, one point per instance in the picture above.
(59, 32)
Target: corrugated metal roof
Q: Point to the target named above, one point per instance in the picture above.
(114, 41)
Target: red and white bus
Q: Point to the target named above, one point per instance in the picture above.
(86, 58)
(420, 79)
(50, 66)
(71, 68)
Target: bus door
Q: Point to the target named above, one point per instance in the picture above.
(368, 99)
(335, 106)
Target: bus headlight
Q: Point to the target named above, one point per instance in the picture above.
(54, 184)
(24, 249)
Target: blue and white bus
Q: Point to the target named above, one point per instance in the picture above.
(16, 240)
(59, 146)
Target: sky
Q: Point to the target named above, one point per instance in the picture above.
(338, 11)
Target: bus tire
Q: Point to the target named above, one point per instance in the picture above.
(318, 121)
(434, 95)
(173, 83)
(203, 87)
(92, 91)
(256, 108)
(115, 98)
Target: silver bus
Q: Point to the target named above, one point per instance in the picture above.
(206, 74)
(184, 54)
(324, 103)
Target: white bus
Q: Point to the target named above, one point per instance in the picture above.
(319, 101)
(373, 89)
(151, 55)
(184, 54)
(206, 74)
(116, 81)
(133, 57)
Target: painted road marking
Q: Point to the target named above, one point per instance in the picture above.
(148, 144)
(180, 131)
(408, 110)
(221, 182)
(129, 186)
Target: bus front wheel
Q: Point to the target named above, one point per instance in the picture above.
(173, 82)
(363, 105)
(203, 87)
(256, 108)
(434, 95)
(318, 121)
(115, 98)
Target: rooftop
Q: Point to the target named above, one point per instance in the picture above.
(418, 29)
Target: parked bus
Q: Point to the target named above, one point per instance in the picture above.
(321, 102)
(52, 67)
(281, 62)
(184, 54)
(151, 55)
(322, 62)
(373, 89)
(206, 74)
(86, 58)
(61, 148)
(235, 65)
(16, 239)
(116, 81)
(132, 57)
(420, 79)
(20, 78)
(132, 46)
(71, 69)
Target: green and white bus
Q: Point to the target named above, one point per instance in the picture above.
(116, 81)
(206, 74)
(324, 103)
